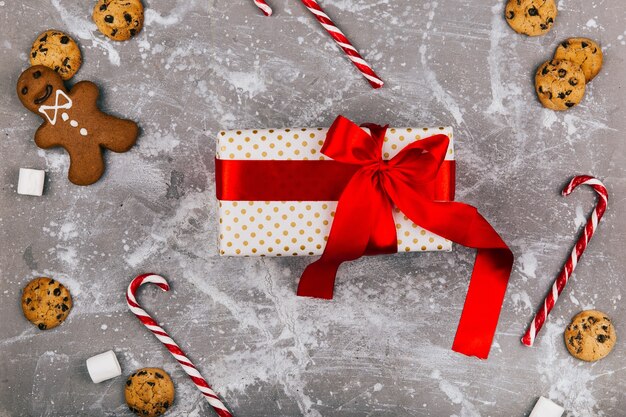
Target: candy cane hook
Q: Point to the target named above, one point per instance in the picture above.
(570, 264)
(174, 349)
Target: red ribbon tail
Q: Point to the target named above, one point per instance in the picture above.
(318, 279)
(483, 302)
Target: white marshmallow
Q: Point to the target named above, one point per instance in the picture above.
(546, 408)
(31, 181)
(103, 366)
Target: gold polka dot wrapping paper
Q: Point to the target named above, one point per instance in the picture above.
(301, 228)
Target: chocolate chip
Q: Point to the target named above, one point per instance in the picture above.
(561, 95)
(28, 300)
(113, 32)
(59, 316)
(36, 75)
(568, 92)
(51, 281)
(32, 309)
(601, 338)
(103, 7)
(41, 326)
(592, 320)
(564, 44)
(584, 44)
(595, 50)
(64, 40)
(25, 90)
(142, 373)
(569, 104)
(543, 26)
(66, 61)
(132, 32)
(34, 54)
(128, 382)
(549, 20)
(128, 17)
(533, 11)
(166, 405)
(605, 328)
(65, 298)
(573, 82)
(540, 89)
(562, 73)
(44, 38)
(150, 383)
(544, 71)
(64, 307)
(511, 14)
(158, 375)
(550, 95)
(108, 18)
(57, 291)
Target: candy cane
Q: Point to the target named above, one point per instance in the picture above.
(344, 43)
(570, 265)
(261, 4)
(174, 349)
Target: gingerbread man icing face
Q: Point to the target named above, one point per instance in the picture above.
(72, 120)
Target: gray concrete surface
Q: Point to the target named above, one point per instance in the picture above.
(382, 347)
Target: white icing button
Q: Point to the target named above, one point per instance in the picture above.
(30, 182)
(64, 116)
(73, 123)
(103, 366)
(83, 131)
(546, 408)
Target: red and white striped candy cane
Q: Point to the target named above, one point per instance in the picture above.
(570, 265)
(261, 4)
(174, 349)
(344, 43)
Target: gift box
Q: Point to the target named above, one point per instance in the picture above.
(350, 191)
(301, 225)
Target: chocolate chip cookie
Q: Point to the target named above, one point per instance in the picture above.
(149, 392)
(58, 51)
(46, 303)
(120, 20)
(559, 84)
(530, 17)
(583, 52)
(590, 336)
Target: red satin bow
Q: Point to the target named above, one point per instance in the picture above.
(364, 224)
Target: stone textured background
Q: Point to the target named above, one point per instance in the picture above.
(383, 345)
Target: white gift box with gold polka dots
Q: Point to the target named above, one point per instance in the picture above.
(301, 228)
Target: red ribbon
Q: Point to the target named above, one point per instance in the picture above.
(364, 225)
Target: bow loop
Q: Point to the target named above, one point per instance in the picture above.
(346, 142)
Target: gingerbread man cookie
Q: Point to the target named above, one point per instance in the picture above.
(73, 121)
